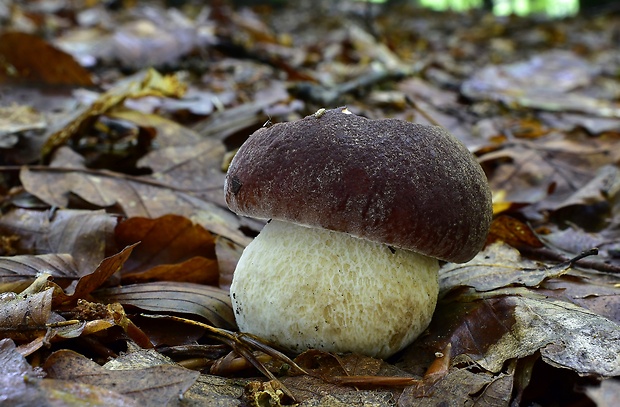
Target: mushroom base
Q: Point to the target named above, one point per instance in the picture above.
(302, 288)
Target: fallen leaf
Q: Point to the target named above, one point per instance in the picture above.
(567, 336)
(228, 254)
(208, 302)
(19, 271)
(24, 317)
(25, 58)
(546, 81)
(136, 196)
(90, 282)
(94, 317)
(596, 292)
(157, 385)
(192, 167)
(494, 330)
(591, 205)
(30, 390)
(69, 393)
(152, 83)
(171, 248)
(544, 171)
(497, 266)
(85, 235)
(13, 363)
(458, 387)
(513, 232)
(16, 119)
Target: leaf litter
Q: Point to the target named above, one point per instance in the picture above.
(114, 227)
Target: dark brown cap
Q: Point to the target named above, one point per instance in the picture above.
(402, 184)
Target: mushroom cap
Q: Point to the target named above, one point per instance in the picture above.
(403, 184)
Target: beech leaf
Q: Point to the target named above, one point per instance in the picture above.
(171, 248)
(195, 299)
(157, 385)
(497, 266)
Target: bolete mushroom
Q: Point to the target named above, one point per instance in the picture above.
(360, 212)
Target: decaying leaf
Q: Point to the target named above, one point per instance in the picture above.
(25, 57)
(136, 196)
(208, 302)
(535, 100)
(495, 330)
(513, 232)
(20, 382)
(90, 282)
(567, 336)
(150, 84)
(544, 171)
(155, 385)
(17, 272)
(497, 266)
(171, 248)
(85, 235)
(24, 317)
(16, 119)
(594, 292)
(459, 386)
(558, 74)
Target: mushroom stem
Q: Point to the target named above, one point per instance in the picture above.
(302, 287)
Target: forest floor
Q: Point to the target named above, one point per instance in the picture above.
(118, 121)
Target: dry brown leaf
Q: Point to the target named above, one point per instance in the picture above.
(71, 394)
(22, 385)
(26, 58)
(567, 121)
(492, 331)
(195, 168)
(183, 158)
(567, 336)
(591, 291)
(164, 297)
(590, 207)
(136, 196)
(497, 266)
(457, 388)
(16, 119)
(152, 83)
(17, 272)
(513, 232)
(94, 317)
(228, 254)
(157, 385)
(338, 374)
(544, 170)
(12, 362)
(86, 235)
(24, 317)
(470, 328)
(90, 282)
(542, 164)
(574, 240)
(434, 106)
(171, 248)
(198, 270)
(547, 81)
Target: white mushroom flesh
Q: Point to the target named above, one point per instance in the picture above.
(302, 288)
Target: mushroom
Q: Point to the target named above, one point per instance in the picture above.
(360, 212)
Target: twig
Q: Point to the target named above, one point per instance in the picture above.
(242, 343)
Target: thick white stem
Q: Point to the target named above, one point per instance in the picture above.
(303, 288)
